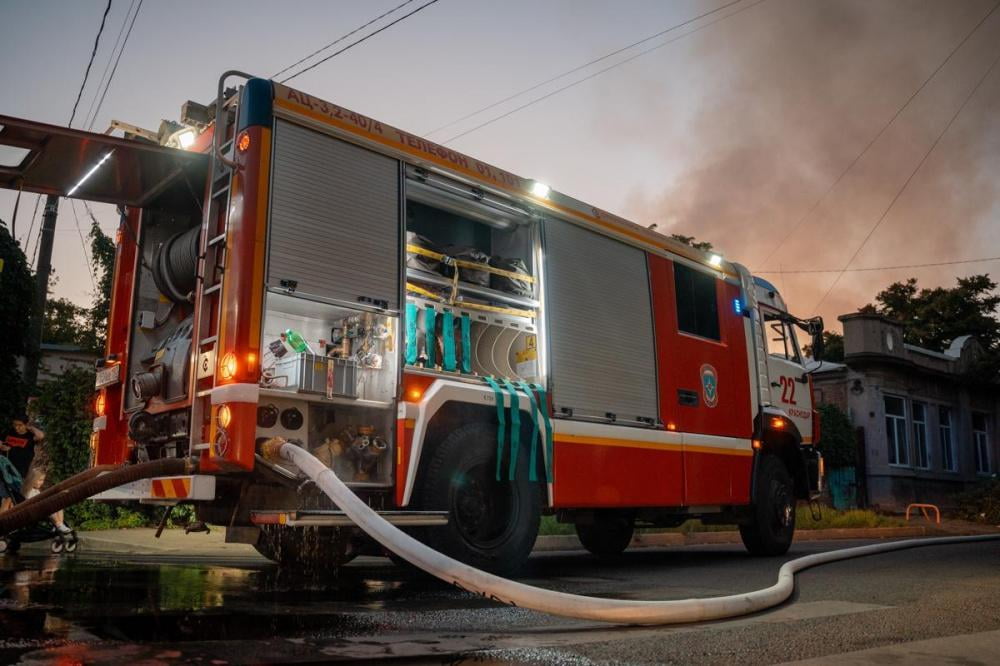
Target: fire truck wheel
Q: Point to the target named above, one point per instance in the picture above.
(492, 525)
(305, 548)
(773, 511)
(608, 535)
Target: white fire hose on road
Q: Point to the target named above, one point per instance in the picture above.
(560, 603)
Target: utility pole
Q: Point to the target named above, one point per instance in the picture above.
(42, 272)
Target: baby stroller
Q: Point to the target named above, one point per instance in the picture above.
(10, 486)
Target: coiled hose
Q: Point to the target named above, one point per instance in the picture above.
(560, 603)
(85, 484)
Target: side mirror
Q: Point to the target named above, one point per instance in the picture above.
(817, 346)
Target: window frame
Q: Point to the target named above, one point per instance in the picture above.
(769, 316)
(984, 441)
(896, 429)
(945, 426)
(718, 338)
(925, 443)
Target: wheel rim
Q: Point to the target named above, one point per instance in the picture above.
(70, 546)
(57, 546)
(783, 510)
(484, 509)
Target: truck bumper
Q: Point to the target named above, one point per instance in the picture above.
(163, 490)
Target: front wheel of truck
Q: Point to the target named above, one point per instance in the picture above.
(492, 525)
(772, 516)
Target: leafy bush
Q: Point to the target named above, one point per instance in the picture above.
(17, 293)
(836, 440)
(982, 503)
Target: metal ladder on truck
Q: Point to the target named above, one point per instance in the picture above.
(756, 334)
(211, 276)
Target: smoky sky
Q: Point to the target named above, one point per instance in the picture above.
(730, 134)
(800, 91)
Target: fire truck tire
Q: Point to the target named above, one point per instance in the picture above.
(772, 524)
(608, 535)
(304, 548)
(492, 525)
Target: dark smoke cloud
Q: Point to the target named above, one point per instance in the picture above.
(801, 88)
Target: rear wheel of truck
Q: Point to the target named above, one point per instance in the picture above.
(608, 535)
(492, 525)
(305, 548)
(772, 523)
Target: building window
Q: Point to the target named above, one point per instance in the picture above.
(944, 435)
(920, 457)
(697, 305)
(981, 443)
(895, 430)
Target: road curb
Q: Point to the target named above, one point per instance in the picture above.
(662, 539)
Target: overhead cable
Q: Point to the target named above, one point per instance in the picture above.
(93, 54)
(578, 68)
(353, 44)
(599, 72)
(341, 38)
(909, 178)
(877, 136)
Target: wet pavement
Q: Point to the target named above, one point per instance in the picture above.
(111, 608)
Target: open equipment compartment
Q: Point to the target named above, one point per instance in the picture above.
(330, 337)
(471, 289)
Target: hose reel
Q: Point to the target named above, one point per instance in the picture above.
(175, 265)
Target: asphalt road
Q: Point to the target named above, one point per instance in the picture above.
(100, 607)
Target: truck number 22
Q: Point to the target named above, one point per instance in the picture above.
(788, 390)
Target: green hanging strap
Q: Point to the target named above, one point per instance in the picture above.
(429, 319)
(543, 402)
(411, 333)
(448, 361)
(533, 460)
(501, 429)
(466, 344)
(515, 427)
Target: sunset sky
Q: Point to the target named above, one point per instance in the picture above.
(733, 134)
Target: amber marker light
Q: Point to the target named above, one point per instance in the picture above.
(101, 404)
(225, 416)
(243, 143)
(227, 367)
(756, 443)
(778, 423)
(671, 426)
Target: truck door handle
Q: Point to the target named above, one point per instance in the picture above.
(687, 398)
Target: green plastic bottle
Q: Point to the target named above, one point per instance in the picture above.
(296, 341)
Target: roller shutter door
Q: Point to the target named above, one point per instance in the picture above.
(334, 218)
(600, 324)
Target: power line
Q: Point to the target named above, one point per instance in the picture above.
(83, 244)
(363, 39)
(599, 72)
(341, 38)
(578, 68)
(93, 53)
(31, 227)
(875, 138)
(902, 189)
(107, 65)
(877, 268)
(114, 69)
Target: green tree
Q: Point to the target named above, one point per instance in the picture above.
(102, 251)
(833, 347)
(17, 294)
(836, 439)
(66, 323)
(704, 246)
(932, 318)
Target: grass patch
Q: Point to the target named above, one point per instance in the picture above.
(831, 519)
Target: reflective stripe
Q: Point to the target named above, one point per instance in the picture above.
(501, 429)
(411, 333)
(448, 361)
(544, 403)
(515, 427)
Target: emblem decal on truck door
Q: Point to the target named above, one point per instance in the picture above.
(709, 385)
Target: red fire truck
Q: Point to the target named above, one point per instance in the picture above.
(468, 349)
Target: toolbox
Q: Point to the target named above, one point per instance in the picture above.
(309, 373)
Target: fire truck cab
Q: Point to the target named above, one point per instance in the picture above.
(466, 348)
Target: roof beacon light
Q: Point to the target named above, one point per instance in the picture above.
(540, 190)
(715, 260)
(90, 173)
(186, 139)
